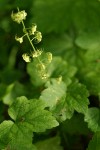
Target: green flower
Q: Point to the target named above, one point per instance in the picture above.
(38, 36)
(19, 16)
(26, 57)
(19, 39)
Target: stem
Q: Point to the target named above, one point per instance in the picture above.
(28, 36)
(24, 29)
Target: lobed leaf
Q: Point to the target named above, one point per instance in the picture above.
(92, 117)
(31, 115)
(95, 142)
(5, 133)
(77, 97)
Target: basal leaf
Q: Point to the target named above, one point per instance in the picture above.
(92, 117)
(31, 115)
(5, 133)
(95, 142)
(62, 111)
(15, 136)
(77, 97)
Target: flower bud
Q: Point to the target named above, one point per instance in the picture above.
(19, 16)
(19, 39)
(44, 76)
(37, 53)
(26, 57)
(33, 29)
(38, 36)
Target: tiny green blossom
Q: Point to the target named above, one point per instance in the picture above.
(26, 57)
(33, 29)
(38, 36)
(19, 39)
(36, 53)
(19, 16)
(41, 67)
(44, 76)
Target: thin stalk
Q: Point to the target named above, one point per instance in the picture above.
(24, 29)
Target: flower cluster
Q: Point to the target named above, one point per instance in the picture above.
(32, 34)
(19, 16)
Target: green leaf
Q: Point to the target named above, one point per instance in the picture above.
(5, 133)
(57, 44)
(95, 142)
(92, 81)
(52, 19)
(90, 70)
(57, 67)
(60, 67)
(13, 91)
(21, 137)
(14, 136)
(77, 16)
(48, 144)
(54, 92)
(21, 145)
(31, 115)
(77, 97)
(92, 117)
(88, 40)
(62, 111)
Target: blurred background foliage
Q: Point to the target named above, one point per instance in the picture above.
(70, 29)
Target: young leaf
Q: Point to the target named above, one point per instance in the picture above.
(31, 115)
(92, 117)
(77, 97)
(53, 93)
(95, 142)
